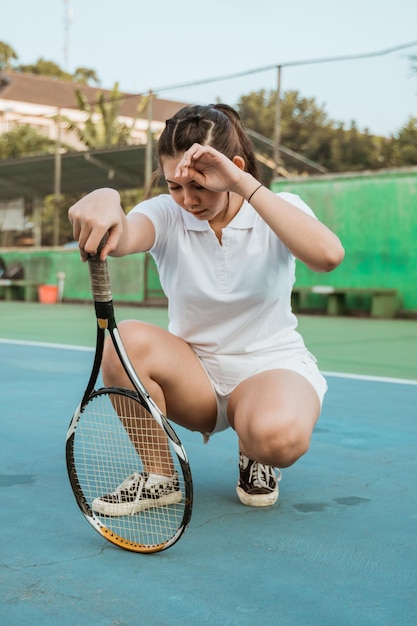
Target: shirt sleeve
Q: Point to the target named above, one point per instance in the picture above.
(162, 212)
(292, 198)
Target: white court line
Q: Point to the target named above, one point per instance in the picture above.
(62, 346)
(43, 344)
(377, 379)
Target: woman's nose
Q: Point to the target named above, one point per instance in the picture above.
(190, 199)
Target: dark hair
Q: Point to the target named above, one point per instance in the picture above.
(216, 125)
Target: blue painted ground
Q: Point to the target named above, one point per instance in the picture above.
(340, 548)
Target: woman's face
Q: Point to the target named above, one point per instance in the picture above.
(202, 203)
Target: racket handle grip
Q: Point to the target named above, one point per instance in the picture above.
(99, 277)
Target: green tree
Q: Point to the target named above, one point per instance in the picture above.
(43, 67)
(24, 141)
(102, 127)
(51, 205)
(401, 148)
(50, 69)
(85, 76)
(7, 56)
(407, 142)
(354, 150)
(307, 129)
(302, 118)
(257, 110)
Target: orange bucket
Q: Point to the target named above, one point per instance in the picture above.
(48, 294)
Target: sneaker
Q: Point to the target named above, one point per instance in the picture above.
(139, 492)
(258, 484)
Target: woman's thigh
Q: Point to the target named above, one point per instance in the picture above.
(170, 371)
(274, 414)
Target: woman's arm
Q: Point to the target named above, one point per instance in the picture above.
(100, 212)
(307, 238)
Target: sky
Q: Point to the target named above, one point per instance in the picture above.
(156, 44)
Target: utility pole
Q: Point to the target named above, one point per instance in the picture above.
(57, 179)
(149, 152)
(277, 138)
(67, 24)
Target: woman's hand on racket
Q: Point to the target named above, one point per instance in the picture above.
(97, 214)
(211, 169)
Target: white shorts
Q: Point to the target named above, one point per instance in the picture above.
(225, 372)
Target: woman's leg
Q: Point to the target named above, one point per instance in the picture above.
(179, 386)
(170, 371)
(274, 414)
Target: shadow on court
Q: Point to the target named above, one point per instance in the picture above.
(339, 548)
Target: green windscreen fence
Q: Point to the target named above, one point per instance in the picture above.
(134, 278)
(375, 215)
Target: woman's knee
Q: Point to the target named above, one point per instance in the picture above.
(274, 413)
(276, 440)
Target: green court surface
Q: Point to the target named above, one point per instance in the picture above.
(341, 344)
(339, 548)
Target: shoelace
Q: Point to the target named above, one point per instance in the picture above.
(139, 492)
(126, 485)
(260, 474)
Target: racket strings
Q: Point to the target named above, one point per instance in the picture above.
(146, 435)
(127, 468)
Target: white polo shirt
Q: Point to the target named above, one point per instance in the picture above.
(231, 299)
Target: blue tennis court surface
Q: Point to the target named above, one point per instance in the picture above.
(339, 549)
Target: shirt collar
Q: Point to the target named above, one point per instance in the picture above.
(244, 219)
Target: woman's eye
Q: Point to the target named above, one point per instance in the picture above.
(177, 188)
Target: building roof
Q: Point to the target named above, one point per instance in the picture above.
(40, 90)
(81, 172)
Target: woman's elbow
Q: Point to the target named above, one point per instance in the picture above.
(328, 258)
(333, 256)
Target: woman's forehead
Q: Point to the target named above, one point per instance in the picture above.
(169, 165)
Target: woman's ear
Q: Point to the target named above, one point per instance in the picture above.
(239, 162)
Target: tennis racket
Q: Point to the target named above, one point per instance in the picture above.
(127, 467)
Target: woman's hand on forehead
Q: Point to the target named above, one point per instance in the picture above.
(209, 168)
